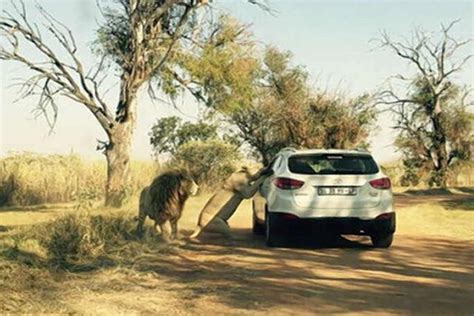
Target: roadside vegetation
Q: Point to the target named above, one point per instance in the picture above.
(29, 179)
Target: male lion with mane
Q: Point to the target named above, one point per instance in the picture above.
(163, 200)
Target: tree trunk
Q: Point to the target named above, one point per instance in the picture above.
(440, 145)
(443, 178)
(118, 153)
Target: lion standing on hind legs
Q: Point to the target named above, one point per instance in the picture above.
(163, 201)
(241, 185)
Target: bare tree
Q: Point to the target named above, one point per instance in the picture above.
(422, 112)
(139, 36)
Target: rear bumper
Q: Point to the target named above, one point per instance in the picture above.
(286, 204)
(288, 223)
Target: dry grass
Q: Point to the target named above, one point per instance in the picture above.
(451, 219)
(40, 248)
(31, 179)
(436, 212)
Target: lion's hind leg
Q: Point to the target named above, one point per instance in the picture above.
(196, 233)
(220, 226)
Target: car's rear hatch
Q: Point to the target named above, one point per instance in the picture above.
(334, 181)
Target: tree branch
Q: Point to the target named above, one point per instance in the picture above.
(55, 77)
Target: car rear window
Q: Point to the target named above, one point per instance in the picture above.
(332, 164)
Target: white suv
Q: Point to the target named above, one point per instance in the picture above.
(328, 191)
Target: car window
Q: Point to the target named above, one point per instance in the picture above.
(332, 164)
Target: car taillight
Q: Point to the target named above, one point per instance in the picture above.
(287, 183)
(385, 216)
(381, 184)
(289, 217)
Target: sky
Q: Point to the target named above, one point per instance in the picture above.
(332, 39)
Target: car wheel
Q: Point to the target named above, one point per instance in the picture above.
(257, 228)
(382, 240)
(273, 239)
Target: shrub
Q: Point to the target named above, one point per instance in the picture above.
(68, 237)
(76, 237)
(80, 241)
(209, 162)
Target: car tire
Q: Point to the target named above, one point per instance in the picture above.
(257, 228)
(382, 240)
(272, 236)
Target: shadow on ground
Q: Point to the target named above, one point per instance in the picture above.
(327, 275)
(461, 204)
(451, 200)
(428, 192)
(36, 208)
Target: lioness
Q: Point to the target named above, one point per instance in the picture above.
(223, 204)
(163, 200)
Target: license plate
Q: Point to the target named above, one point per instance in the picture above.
(337, 191)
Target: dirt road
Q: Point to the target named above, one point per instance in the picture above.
(422, 273)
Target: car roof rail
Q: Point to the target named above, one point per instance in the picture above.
(292, 149)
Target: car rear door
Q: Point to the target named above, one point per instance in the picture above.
(260, 198)
(266, 185)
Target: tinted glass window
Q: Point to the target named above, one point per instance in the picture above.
(332, 164)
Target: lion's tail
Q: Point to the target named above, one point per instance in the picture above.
(141, 211)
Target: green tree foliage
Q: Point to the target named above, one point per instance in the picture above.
(418, 139)
(436, 131)
(209, 156)
(266, 100)
(281, 109)
(169, 133)
(209, 162)
(220, 69)
(340, 122)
